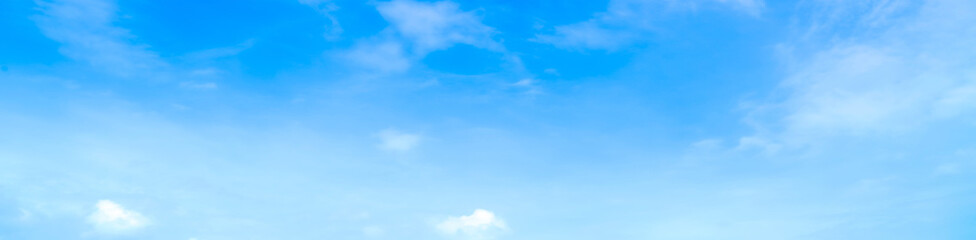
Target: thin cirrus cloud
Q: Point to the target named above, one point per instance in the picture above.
(628, 22)
(897, 73)
(437, 25)
(416, 29)
(85, 30)
(397, 141)
(326, 8)
(111, 218)
(893, 79)
(481, 224)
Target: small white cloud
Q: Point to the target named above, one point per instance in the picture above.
(393, 140)
(482, 224)
(438, 25)
(529, 85)
(111, 218)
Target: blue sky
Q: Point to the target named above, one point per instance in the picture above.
(482, 120)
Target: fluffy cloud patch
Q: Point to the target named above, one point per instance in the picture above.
(393, 140)
(482, 224)
(111, 218)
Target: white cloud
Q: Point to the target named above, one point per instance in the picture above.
(529, 85)
(909, 71)
(419, 28)
(435, 26)
(482, 224)
(85, 30)
(111, 218)
(627, 22)
(326, 7)
(220, 52)
(393, 140)
(416, 29)
(624, 23)
(590, 35)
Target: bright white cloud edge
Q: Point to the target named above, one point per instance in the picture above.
(481, 224)
(111, 218)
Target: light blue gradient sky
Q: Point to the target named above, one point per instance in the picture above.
(479, 120)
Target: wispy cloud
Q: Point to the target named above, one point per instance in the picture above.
(417, 29)
(892, 79)
(198, 85)
(437, 25)
(86, 31)
(397, 141)
(627, 22)
(326, 8)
